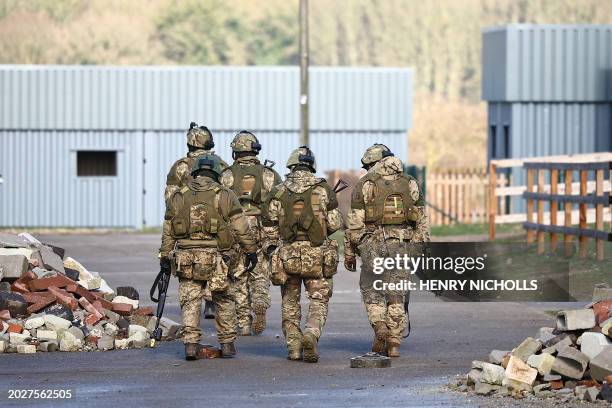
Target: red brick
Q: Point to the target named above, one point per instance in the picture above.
(145, 311)
(80, 292)
(21, 284)
(15, 328)
(64, 298)
(92, 319)
(601, 310)
(59, 281)
(92, 340)
(124, 309)
(98, 305)
(556, 385)
(5, 315)
(100, 297)
(35, 297)
(38, 306)
(589, 383)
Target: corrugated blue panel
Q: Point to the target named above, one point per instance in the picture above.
(547, 63)
(41, 187)
(168, 98)
(330, 148)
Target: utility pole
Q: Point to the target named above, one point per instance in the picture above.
(304, 137)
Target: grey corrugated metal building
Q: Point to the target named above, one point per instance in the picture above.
(548, 88)
(89, 146)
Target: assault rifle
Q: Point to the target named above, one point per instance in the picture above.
(161, 283)
(341, 185)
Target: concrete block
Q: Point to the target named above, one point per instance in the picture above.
(26, 349)
(69, 343)
(528, 347)
(76, 332)
(34, 323)
(3, 327)
(570, 363)
(13, 266)
(111, 316)
(43, 273)
(551, 377)
(520, 372)
(582, 319)
(544, 334)
(492, 374)
(32, 254)
(51, 260)
(134, 328)
(594, 343)
(602, 293)
(105, 289)
(2, 346)
(29, 239)
(496, 356)
(48, 346)
(121, 344)
(126, 300)
(601, 365)
(474, 376)
(591, 394)
(12, 241)
(139, 336)
(91, 283)
(54, 322)
(46, 335)
(75, 265)
(106, 342)
(541, 362)
(606, 326)
(169, 327)
(111, 329)
(18, 338)
(549, 350)
(140, 320)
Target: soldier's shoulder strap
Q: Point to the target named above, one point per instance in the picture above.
(332, 202)
(357, 201)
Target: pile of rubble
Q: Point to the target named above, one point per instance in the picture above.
(572, 361)
(49, 302)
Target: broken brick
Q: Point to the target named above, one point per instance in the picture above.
(21, 284)
(123, 309)
(98, 305)
(556, 385)
(59, 281)
(40, 305)
(64, 298)
(601, 310)
(14, 328)
(92, 319)
(35, 297)
(145, 311)
(81, 292)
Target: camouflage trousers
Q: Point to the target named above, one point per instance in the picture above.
(191, 295)
(319, 291)
(383, 305)
(252, 289)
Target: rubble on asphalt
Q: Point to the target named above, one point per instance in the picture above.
(571, 361)
(50, 302)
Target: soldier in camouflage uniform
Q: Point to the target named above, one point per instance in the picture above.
(387, 214)
(252, 182)
(199, 142)
(301, 213)
(203, 221)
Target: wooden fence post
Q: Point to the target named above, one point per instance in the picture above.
(492, 199)
(541, 234)
(584, 242)
(530, 232)
(599, 213)
(554, 206)
(567, 238)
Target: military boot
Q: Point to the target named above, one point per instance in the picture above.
(209, 310)
(380, 337)
(259, 323)
(309, 342)
(191, 351)
(393, 348)
(228, 350)
(294, 346)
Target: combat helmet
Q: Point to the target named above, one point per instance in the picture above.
(199, 137)
(245, 142)
(375, 153)
(302, 156)
(210, 162)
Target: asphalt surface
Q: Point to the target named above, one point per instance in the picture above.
(445, 338)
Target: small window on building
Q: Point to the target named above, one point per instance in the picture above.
(96, 163)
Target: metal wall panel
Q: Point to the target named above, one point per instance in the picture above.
(168, 98)
(41, 187)
(569, 63)
(330, 148)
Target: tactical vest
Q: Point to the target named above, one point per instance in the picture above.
(199, 219)
(248, 186)
(392, 204)
(301, 221)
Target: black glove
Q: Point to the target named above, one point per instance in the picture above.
(270, 249)
(164, 265)
(250, 260)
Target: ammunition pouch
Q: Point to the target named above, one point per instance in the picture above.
(330, 258)
(277, 270)
(201, 265)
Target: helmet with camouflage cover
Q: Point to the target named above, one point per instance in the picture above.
(210, 162)
(245, 141)
(375, 153)
(199, 137)
(302, 156)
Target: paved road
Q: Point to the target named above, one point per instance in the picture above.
(445, 338)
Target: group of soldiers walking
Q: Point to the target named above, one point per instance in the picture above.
(231, 230)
